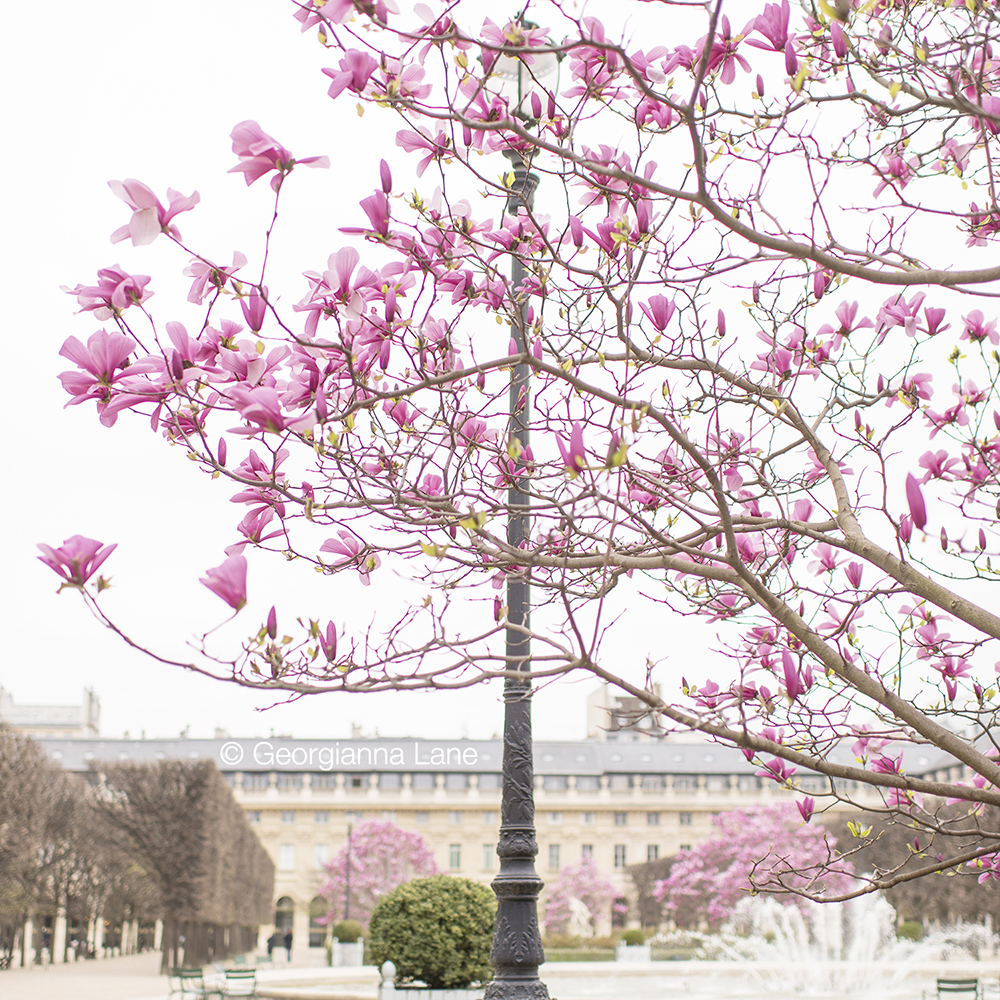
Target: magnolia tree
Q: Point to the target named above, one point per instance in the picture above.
(751, 850)
(379, 857)
(584, 883)
(754, 345)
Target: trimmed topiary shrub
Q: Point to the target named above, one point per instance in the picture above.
(634, 936)
(910, 930)
(436, 930)
(348, 931)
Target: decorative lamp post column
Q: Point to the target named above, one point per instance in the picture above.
(517, 944)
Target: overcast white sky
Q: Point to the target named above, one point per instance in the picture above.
(151, 91)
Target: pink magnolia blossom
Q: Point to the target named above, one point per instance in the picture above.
(796, 681)
(644, 498)
(977, 329)
(903, 799)
(933, 318)
(432, 485)
(115, 290)
(339, 288)
(955, 415)
(261, 406)
(866, 744)
(194, 352)
(722, 54)
(412, 142)
(888, 765)
(952, 668)
(514, 34)
(355, 70)
(102, 363)
(915, 501)
(938, 465)
(777, 770)
(896, 311)
(894, 172)
(260, 154)
(989, 867)
(954, 153)
(983, 225)
(354, 550)
(805, 808)
(229, 581)
(328, 642)
(659, 309)
(149, 217)
(252, 529)
(773, 25)
(254, 307)
(208, 276)
(649, 109)
(839, 38)
(915, 387)
(821, 282)
(401, 413)
(243, 363)
(401, 79)
(77, 559)
(573, 453)
(475, 431)
(313, 12)
(826, 561)
(376, 207)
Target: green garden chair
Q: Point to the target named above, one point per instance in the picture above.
(189, 984)
(240, 983)
(954, 989)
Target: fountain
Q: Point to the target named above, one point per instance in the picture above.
(837, 950)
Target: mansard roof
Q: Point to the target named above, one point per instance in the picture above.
(279, 753)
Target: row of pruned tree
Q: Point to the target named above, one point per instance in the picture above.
(128, 842)
(55, 856)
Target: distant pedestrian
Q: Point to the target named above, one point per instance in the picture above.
(288, 944)
(272, 943)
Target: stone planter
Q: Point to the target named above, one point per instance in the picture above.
(387, 989)
(348, 954)
(632, 952)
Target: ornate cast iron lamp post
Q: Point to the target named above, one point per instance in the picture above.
(517, 944)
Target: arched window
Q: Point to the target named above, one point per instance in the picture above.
(284, 914)
(318, 926)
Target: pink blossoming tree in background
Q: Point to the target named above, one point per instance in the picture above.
(757, 309)
(583, 882)
(751, 849)
(382, 856)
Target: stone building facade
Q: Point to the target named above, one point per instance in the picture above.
(39, 721)
(620, 801)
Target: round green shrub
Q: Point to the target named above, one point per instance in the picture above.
(910, 930)
(634, 936)
(348, 931)
(437, 930)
